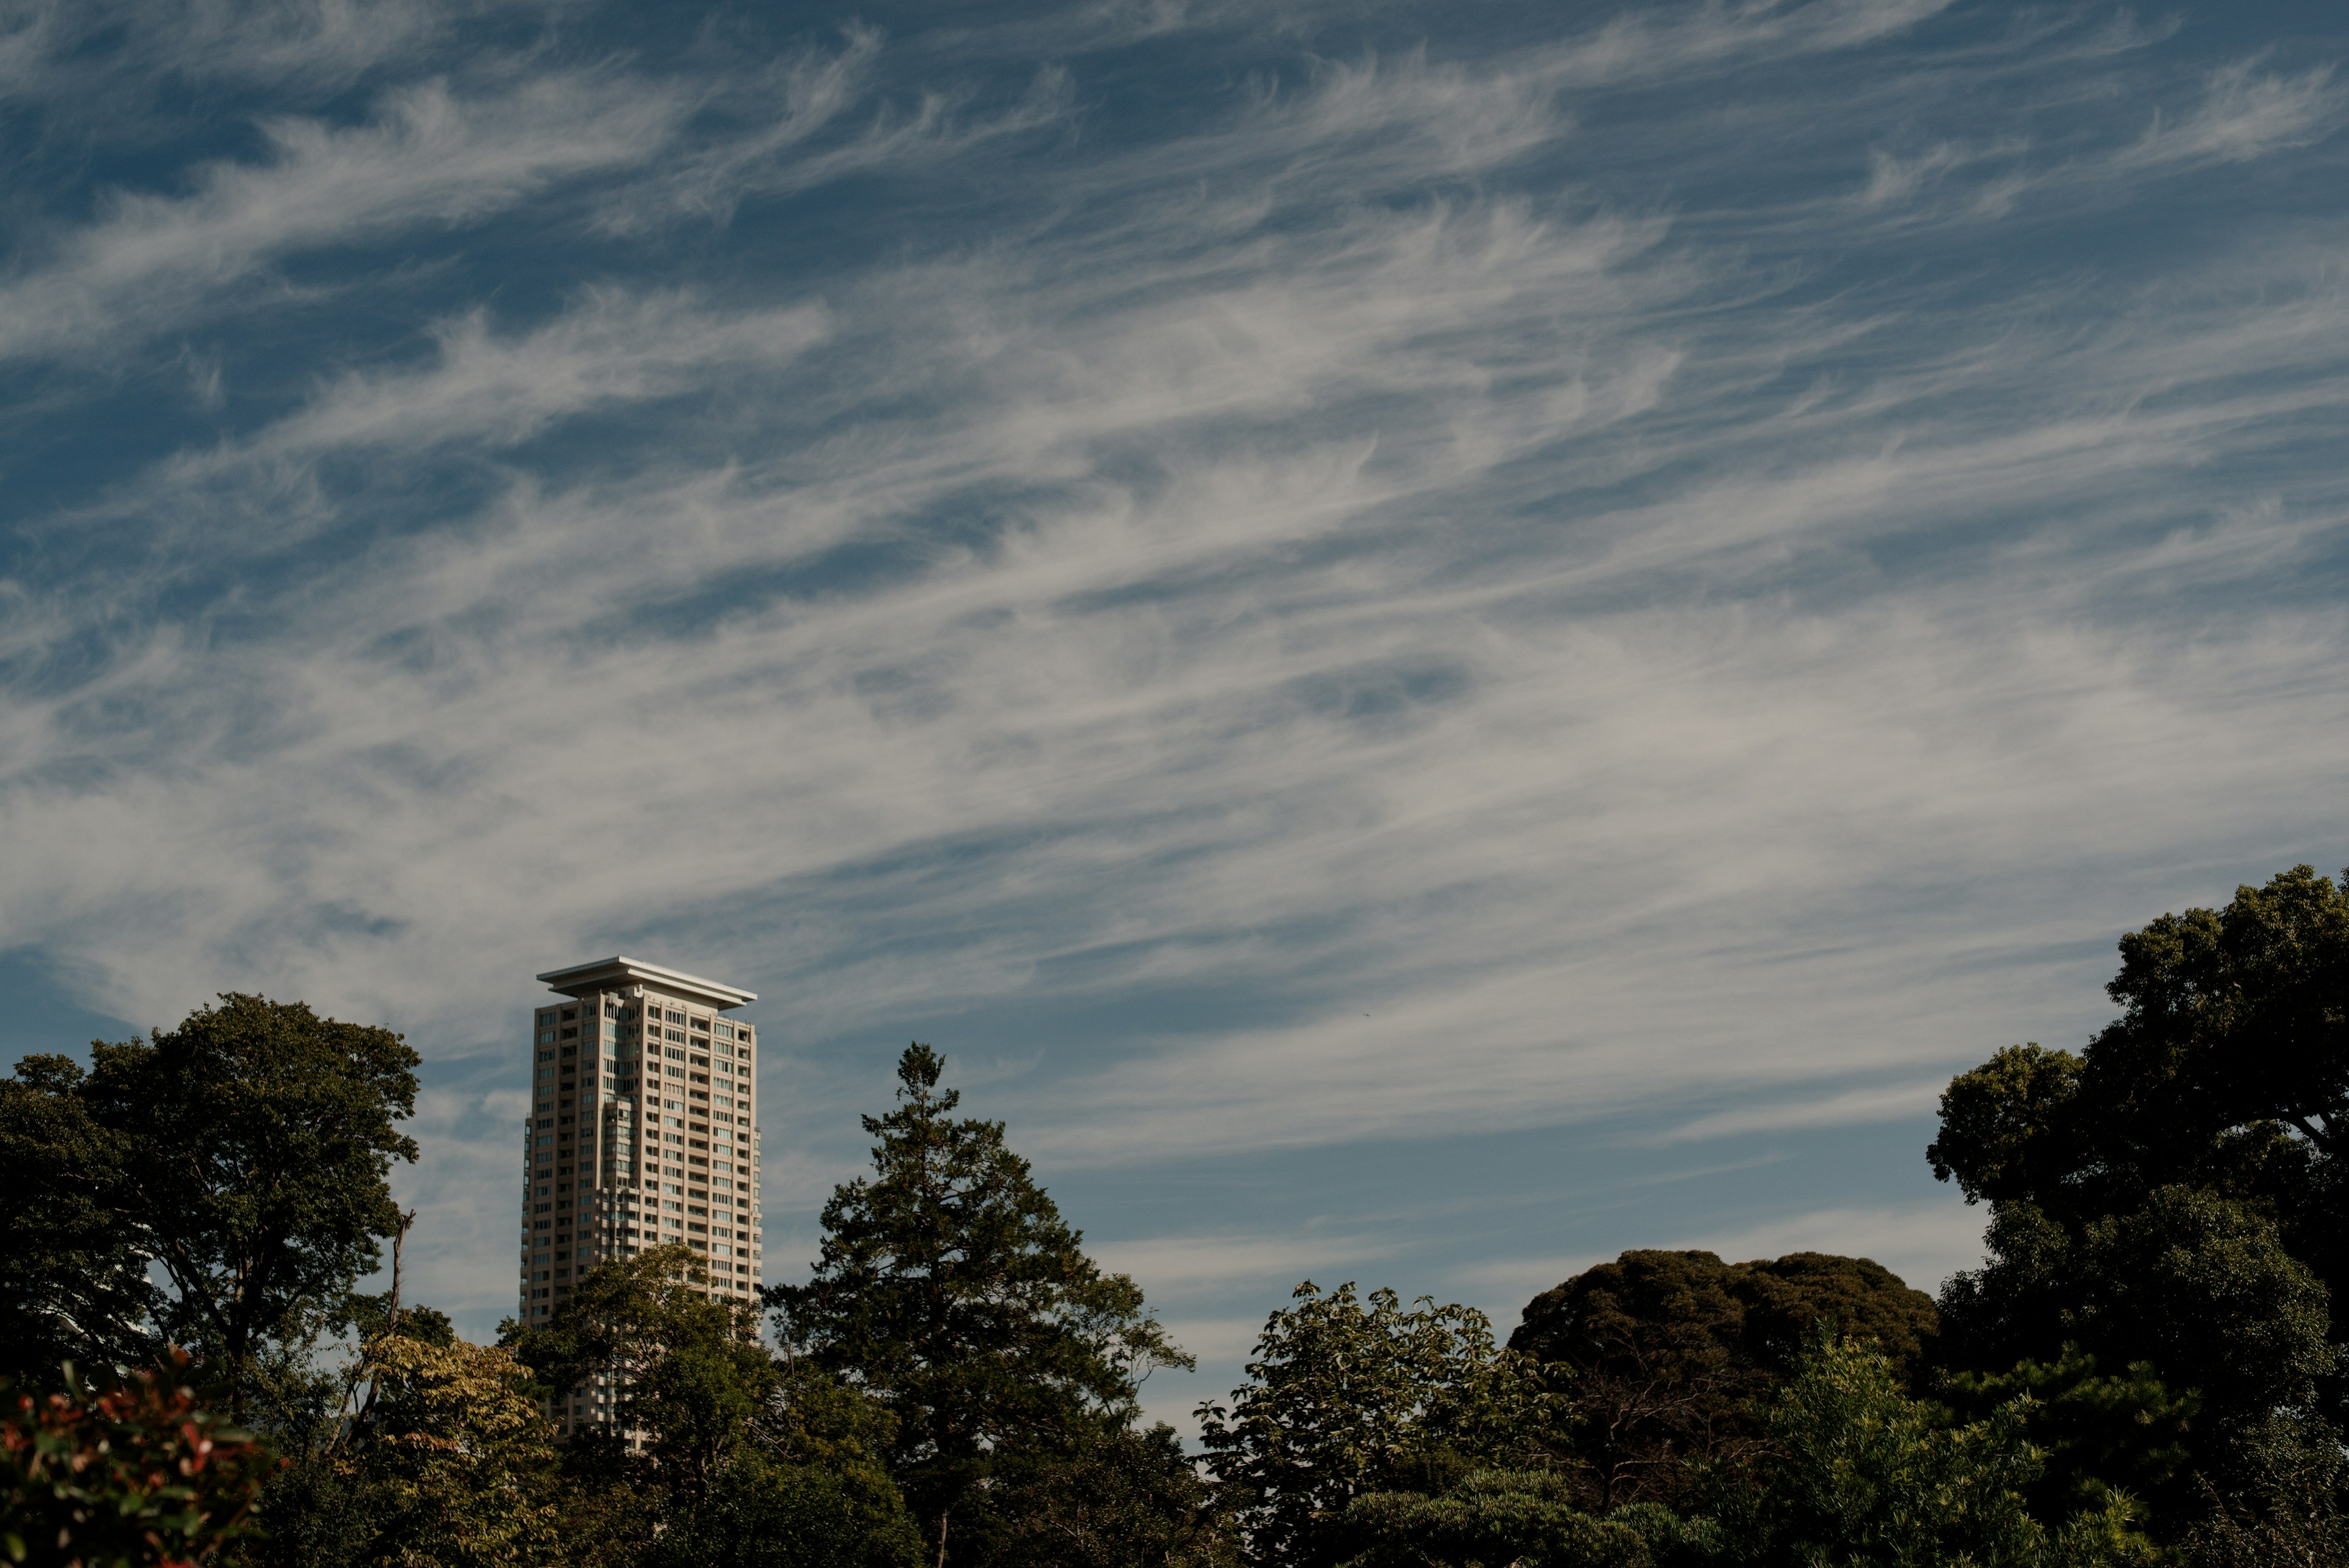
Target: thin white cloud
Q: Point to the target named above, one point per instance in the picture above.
(1171, 1268)
(488, 391)
(1522, 654)
(51, 52)
(1923, 1243)
(1895, 1102)
(785, 149)
(2237, 113)
(429, 158)
(1328, 821)
(2245, 113)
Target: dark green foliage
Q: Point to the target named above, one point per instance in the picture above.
(1672, 1352)
(2171, 1201)
(2012, 1128)
(1787, 1298)
(757, 1514)
(372, 1315)
(2199, 1287)
(72, 1286)
(701, 1398)
(819, 1424)
(1493, 1518)
(2234, 1018)
(699, 1380)
(136, 1473)
(310, 1516)
(2226, 1072)
(1121, 1498)
(2125, 1432)
(1856, 1471)
(2205, 1289)
(246, 1153)
(1673, 1542)
(1691, 1309)
(2287, 1501)
(950, 1289)
(1348, 1396)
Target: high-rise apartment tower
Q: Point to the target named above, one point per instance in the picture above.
(643, 1130)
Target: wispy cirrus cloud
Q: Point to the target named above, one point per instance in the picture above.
(308, 47)
(1300, 595)
(1822, 1110)
(773, 141)
(2237, 112)
(485, 391)
(1921, 1243)
(2245, 112)
(430, 157)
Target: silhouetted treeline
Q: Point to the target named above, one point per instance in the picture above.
(2145, 1370)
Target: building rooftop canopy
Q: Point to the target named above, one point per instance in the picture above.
(611, 973)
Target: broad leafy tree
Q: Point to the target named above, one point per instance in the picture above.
(760, 1514)
(452, 1458)
(2287, 1502)
(1348, 1395)
(73, 1279)
(2195, 1285)
(686, 1369)
(2099, 1432)
(950, 1289)
(2227, 1071)
(836, 1437)
(1121, 1498)
(748, 1461)
(248, 1155)
(1674, 1353)
(2168, 1204)
(1856, 1471)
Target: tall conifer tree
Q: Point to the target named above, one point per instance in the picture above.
(950, 1289)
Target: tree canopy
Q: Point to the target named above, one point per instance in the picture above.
(73, 1283)
(2226, 1072)
(1349, 1396)
(1673, 1353)
(1856, 1471)
(949, 1289)
(2167, 1205)
(246, 1154)
(2143, 1372)
(686, 1368)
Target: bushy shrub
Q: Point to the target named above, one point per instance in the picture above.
(135, 1474)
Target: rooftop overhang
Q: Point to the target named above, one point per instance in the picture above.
(616, 972)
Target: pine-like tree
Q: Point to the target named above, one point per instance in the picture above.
(950, 1289)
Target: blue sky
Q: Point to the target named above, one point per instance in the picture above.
(1431, 640)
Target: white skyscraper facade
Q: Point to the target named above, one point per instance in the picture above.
(643, 1130)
